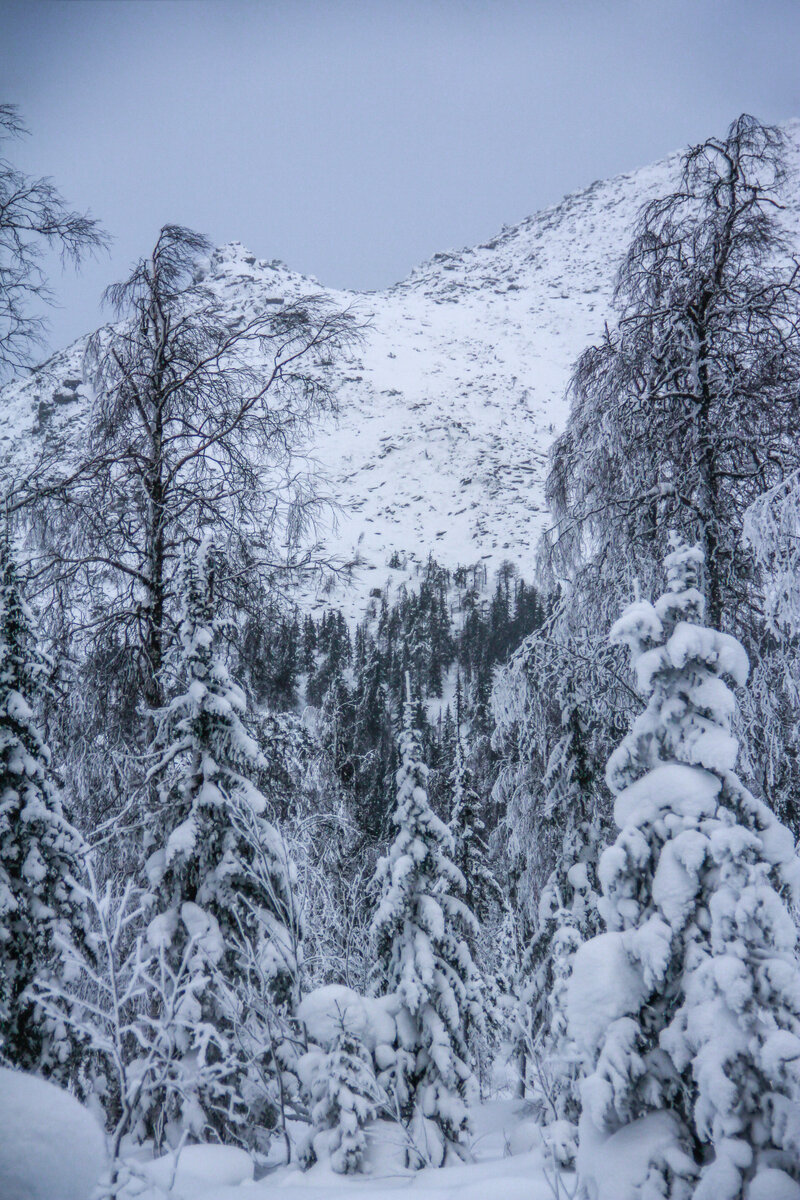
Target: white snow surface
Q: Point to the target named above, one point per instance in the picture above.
(200, 1170)
(51, 1147)
(331, 1010)
(604, 985)
(510, 1164)
(672, 787)
(616, 1167)
(449, 407)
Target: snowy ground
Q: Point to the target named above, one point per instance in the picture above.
(51, 1148)
(505, 1168)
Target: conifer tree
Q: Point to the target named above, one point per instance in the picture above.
(421, 932)
(484, 897)
(373, 740)
(344, 1095)
(309, 653)
(567, 916)
(470, 849)
(688, 1007)
(40, 851)
(221, 875)
(339, 1075)
(447, 736)
(334, 642)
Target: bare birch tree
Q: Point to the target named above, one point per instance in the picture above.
(688, 408)
(197, 424)
(33, 217)
(687, 412)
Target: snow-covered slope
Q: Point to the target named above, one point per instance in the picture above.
(449, 407)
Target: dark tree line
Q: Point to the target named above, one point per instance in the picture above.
(444, 633)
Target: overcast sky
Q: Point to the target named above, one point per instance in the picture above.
(354, 138)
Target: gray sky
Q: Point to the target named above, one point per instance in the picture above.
(354, 138)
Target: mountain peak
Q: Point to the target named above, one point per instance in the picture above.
(448, 407)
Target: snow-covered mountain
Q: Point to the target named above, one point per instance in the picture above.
(449, 406)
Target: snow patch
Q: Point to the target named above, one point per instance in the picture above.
(51, 1147)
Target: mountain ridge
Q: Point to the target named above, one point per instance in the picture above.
(448, 408)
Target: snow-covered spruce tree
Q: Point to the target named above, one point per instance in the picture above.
(421, 931)
(484, 898)
(40, 851)
(688, 1007)
(470, 849)
(344, 1100)
(339, 1076)
(567, 917)
(219, 870)
(554, 705)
